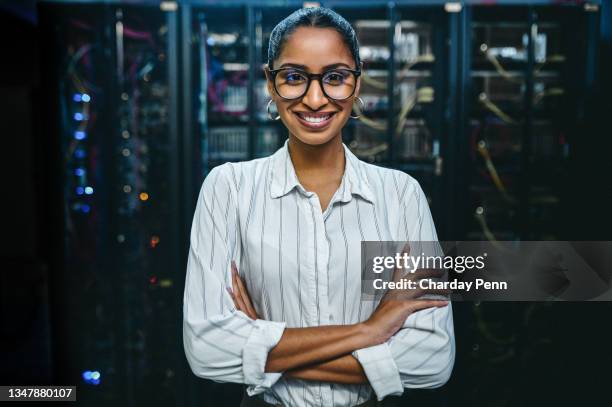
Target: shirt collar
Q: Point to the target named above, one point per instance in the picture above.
(284, 179)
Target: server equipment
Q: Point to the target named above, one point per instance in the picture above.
(482, 104)
(111, 86)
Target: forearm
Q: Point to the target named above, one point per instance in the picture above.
(300, 347)
(345, 369)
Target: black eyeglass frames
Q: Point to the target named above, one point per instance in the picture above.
(293, 83)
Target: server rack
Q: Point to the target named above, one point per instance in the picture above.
(404, 49)
(232, 94)
(112, 98)
(524, 72)
(426, 69)
(526, 78)
(408, 95)
(432, 96)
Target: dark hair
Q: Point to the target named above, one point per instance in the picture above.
(320, 17)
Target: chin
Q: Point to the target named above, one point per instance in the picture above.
(314, 139)
(314, 136)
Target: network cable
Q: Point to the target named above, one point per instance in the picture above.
(484, 152)
(489, 105)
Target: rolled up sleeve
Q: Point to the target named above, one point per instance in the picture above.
(380, 369)
(422, 353)
(222, 343)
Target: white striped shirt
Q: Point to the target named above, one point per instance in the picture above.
(302, 269)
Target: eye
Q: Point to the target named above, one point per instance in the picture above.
(335, 77)
(293, 77)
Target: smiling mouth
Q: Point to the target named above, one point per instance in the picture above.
(315, 120)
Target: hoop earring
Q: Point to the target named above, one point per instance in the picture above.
(270, 114)
(360, 100)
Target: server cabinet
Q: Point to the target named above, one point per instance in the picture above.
(524, 73)
(111, 85)
(404, 49)
(527, 79)
(402, 125)
(229, 53)
(481, 104)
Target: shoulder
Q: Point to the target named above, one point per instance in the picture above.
(234, 175)
(390, 182)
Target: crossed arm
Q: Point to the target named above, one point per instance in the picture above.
(225, 341)
(318, 353)
(324, 353)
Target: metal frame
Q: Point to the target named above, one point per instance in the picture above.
(526, 142)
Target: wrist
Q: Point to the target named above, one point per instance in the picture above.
(369, 334)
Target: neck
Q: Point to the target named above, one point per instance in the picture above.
(325, 158)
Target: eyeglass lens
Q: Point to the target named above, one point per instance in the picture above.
(337, 83)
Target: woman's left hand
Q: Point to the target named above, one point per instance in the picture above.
(240, 295)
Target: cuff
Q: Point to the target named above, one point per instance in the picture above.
(264, 336)
(381, 370)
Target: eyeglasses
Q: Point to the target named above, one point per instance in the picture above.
(292, 83)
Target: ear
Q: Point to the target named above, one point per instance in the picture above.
(358, 85)
(269, 83)
(266, 70)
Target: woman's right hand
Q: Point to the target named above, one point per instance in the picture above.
(397, 304)
(389, 317)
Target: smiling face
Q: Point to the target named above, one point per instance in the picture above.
(314, 119)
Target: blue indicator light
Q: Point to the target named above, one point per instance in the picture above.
(92, 377)
(79, 117)
(79, 172)
(77, 97)
(79, 190)
(79, 135)
(79, 153)
(88, 190)
(85, 208)
(85, 98)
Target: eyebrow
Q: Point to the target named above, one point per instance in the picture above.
(304, 67)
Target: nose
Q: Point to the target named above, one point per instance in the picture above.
(315, 98)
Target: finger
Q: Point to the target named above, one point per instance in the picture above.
(418, 293)
(421, 274)
(244, 294)
(241, 305)
(231, 293)
(405, 294)
(419, 305)
(246, 297)
(398, 272)
(441, 291)
(406, 248)
(249, 302)
(234, 268)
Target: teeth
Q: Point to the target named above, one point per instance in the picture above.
(312, 119)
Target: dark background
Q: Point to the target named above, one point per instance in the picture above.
(94, 281)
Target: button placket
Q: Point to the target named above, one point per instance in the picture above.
(321, 259)
(311, 269)
(321, 262)
(322, 267)
(337, 197)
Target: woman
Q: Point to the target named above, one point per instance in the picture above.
(273, 287)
